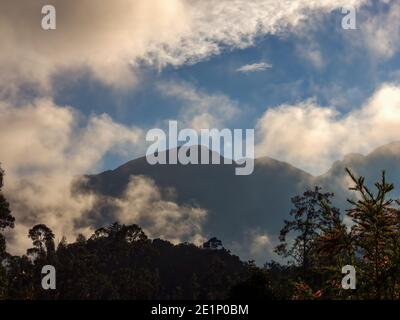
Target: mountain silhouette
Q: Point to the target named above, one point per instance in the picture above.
(238, 205)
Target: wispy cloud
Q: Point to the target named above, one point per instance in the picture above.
(254, 67)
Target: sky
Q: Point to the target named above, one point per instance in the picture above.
(80, 99)
(316, 61)
(142, 73)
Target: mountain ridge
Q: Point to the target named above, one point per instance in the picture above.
(256, 204)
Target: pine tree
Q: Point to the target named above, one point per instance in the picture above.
(375, 225)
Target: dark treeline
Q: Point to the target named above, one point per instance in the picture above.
(120, 262)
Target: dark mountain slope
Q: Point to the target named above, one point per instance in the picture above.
(235, 203)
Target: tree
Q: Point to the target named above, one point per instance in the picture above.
(375, 232)
(6, 219)
(312, 215)
(116, 231)
(132, 233)
(43, 241)
(213, 244)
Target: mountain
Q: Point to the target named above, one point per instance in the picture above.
(386, 158)
(241, 208)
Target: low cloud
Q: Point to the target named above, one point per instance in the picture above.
(44, 152)
(311, 137)
(143, 204)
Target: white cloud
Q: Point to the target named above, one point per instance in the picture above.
(101, 37)
(255, 67)
(237, 24)
(110, 39)
(312, 137)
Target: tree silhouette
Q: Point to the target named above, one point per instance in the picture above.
(43, 241)
(312, 215)
(6, 221)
